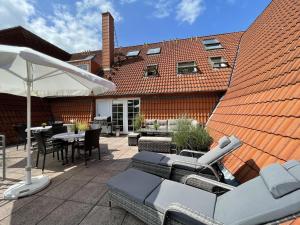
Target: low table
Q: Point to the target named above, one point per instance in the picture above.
(155, 144)
(153, 132)
(133, 139)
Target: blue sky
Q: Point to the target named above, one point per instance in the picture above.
(76, 25)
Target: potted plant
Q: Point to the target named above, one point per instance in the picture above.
(138, 122)
(76, 128)
(156, 125)
(188, 136)
(44, 125)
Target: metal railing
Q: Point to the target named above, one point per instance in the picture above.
(2, 156)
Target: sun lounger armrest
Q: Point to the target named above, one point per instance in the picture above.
(178, 208)
(191, 152)
(210, 181)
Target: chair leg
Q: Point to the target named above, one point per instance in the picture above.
(62, 156)
(73, 153)
(37, 158)
(85, 158)
(99, 153)
(44, 160)
(57, 153)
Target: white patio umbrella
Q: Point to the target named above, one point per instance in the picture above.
(26, 72)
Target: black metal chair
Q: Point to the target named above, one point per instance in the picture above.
(22, 136)
(46, 145)
(91, 142)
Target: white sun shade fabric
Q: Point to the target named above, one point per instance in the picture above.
(48, 76)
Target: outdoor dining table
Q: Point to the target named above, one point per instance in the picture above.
(39, 129)
(69, 138)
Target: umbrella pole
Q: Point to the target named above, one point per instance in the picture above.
(28, 167)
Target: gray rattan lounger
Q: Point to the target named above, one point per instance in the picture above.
(272, 198)
(177, 167)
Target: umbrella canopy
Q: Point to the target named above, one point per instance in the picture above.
(26, 72)
(48, 76)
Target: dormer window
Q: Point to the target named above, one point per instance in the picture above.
(211, 44)
(153, 51)
(187, 67)
(218, 62)
(151, 70)
(133, 53)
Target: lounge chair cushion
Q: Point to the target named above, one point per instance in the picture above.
(148, 157)
(178, 161)
(134, 184)
(278, 180)
(217, 153)
(170, 192)
(252, 203)
(293, 166)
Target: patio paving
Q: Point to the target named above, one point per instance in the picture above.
(76, 195)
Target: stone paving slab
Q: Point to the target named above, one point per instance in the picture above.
(76, 195)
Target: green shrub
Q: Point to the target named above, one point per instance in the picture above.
(188, 136)
(138, 121)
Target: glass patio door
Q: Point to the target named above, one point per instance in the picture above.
(117, 114)
(133, 109)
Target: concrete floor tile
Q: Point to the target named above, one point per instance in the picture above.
(132, 220)
(90, 193)
(65, 189)
(69, 213)
(104, 216)
(32, 213)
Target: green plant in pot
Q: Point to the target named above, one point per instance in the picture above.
(44, 125)
(138, 121)
(156, 125)
(189, 136)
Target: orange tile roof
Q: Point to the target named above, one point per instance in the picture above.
(262, 104)
(128, 74)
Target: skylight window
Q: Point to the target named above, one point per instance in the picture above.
(153, 51)
(187, 67)
(151, 70)
(218, 62)
(211, 44)
(133, 53)
(83, 67)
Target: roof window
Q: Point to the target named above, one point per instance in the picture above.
(133, 53)
(211, 44)
(83, 67)
(151, 70)
(187, 67)
(218, 62)
(153, 51)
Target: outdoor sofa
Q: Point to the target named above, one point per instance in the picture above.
(272, 197)
(178, 167)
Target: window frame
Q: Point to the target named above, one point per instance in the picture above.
(137, 53)
(212, 46)
(146, 70)
(155, 53)
(84, 64)
(195, 67)
(218, 65)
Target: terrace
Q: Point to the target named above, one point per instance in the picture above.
(76, 195)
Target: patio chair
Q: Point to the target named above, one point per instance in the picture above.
(177, 167)
(91, 142)
(21, 134)
(45, 146)
(271, 198)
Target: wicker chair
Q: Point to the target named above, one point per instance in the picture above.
(178, 167)
(91, 141)
(270, 198)
(22, 136)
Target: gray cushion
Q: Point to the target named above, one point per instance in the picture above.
(252, 203)
(169, 192)
(148, 157)
(217, 153)
(134, 184)
(183, 162)
(156, 139)
(293, 166)
(278, 180)
(223, 141)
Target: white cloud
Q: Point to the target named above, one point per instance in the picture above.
(189, 10)
(74, 32)
(127, 1)
(162, 8)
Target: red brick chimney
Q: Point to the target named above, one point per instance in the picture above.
(107, 41)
